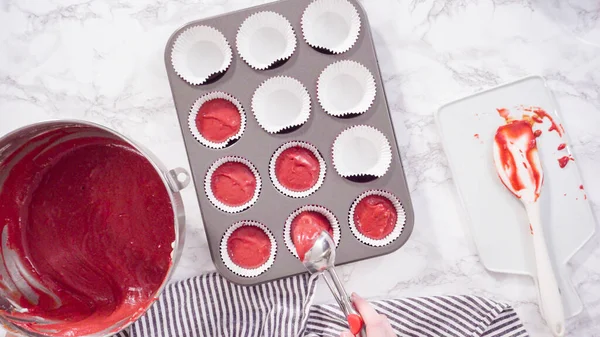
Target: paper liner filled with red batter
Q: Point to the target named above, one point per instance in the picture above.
(305, 224)
(217, 119)
(232, 184)
(361, 150)
(376, 218)
(297, 169)
(248, 248)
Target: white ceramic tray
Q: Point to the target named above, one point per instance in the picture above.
(498, 221)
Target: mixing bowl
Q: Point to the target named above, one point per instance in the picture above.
(15, 283)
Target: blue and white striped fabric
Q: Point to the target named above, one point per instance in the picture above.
(210, 306)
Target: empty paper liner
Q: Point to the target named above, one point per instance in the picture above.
(281, 103)
(199, 53)
(332, 25)
(361, 151)
(264, 39)
(345, 88)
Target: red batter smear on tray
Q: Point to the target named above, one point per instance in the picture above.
(249, 247)
(233, 184)
(532, 115)
(306, 228)
(541, 114)
(564, 160)
(91, 223)
(561, 146)
(581, 187)
(375, 217)
(476, 136)
(297, 169)
(218, 120)
(516, 165)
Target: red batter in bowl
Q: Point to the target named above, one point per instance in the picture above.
(249, 247)
(218, 120)
(306, 228)
(233, 184)
(297, 169)
(90, 221)
(375, 217)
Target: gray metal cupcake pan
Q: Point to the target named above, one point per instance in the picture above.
(273, 208)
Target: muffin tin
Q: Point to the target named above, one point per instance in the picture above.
(257, 144)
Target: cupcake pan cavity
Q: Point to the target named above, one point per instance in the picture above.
(272, 208)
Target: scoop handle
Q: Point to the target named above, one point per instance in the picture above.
(354, 319)
(549, 294)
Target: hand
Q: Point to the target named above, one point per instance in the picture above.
(377, 324)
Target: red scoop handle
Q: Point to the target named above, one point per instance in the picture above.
(356, 323)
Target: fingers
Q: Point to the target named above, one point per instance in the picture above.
(377, 324)
(346, 334)
(367, 311)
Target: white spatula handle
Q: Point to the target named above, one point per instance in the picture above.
(549, 293)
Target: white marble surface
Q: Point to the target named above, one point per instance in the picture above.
(101, 60)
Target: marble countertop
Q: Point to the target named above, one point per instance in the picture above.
(102, 61)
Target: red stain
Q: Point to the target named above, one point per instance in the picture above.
(509, 134)
(541, 114)
(565, 194)
(563, 161)
(503, 113)
(585, 197)
(537, 119)
(581, 187)
(537, 133)
(530, 229)
(476, 136)
(562, 146)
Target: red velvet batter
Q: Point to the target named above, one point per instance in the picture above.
(375, 217)
(249, 247)
(218, 120)
(297, 169)
(305, 229)
(233, 184)
(92, 222)
(517, 147)
(564, 160)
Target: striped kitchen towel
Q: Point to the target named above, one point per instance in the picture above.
(210, 306)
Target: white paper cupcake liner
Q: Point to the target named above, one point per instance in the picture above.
(346, 88)
(218, 204)
(281, 103)
(264, 39)
(333, 25)
(241, 271)
(194, 113)
(361, 150)
(283, 189)
(199, 53)
(287, 228)
(400, 219)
